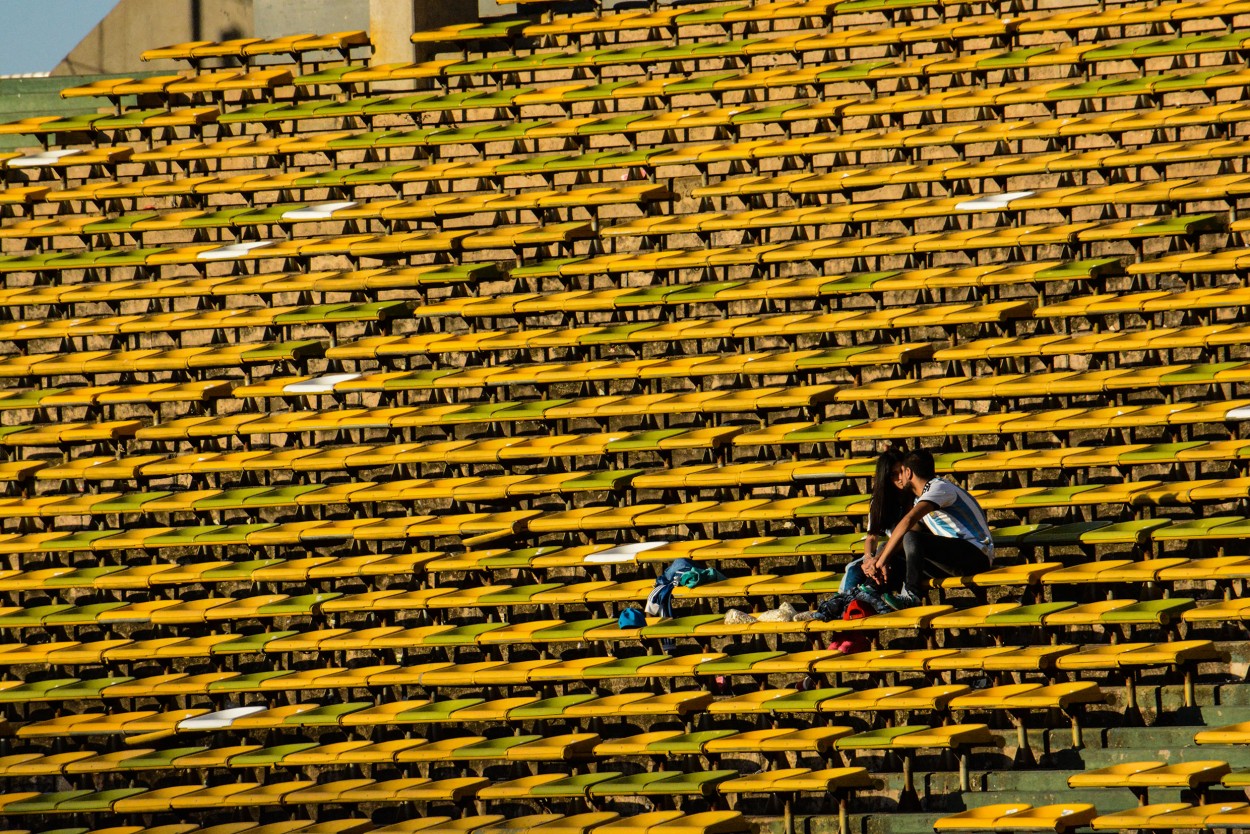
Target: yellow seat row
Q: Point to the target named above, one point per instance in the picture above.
(879, 246)
(152, 359)
(300, 793)
(579, 24)
(356, 246)
(275, 570)
(670, 87)
(979, 62)
(901, 35)
(150, 394)
(747, 363)
(608, 822)
(189, 320)
(704, 402)
(535, 447)
(321, 533)
(227, 286)
(324, 458)
(121, 577)
(1055, 162)
(685, 329)
(1048, 661)
(696, 153)
(437, 598)
(182, 84)
(293, 45)
(1104, 341)
(1000, 97)
(521, 748)
(1019, 816)
(289, 214)
(535, 709)
(143, 122)
(1049, 383)
(519, 305)
(592, 517)
(1178, 413)
(1123, 656)
(1175, 815)
(1163, 569)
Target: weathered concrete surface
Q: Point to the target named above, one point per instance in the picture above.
(135, 25)
(392, 22)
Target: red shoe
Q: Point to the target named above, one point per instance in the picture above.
(852, 645)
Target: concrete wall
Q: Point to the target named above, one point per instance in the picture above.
(392, 22)
(135, 25)
(494, 8)
(114, 46)
(275, 18)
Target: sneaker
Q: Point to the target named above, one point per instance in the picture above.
(782, 614)
(735, 617)
(900, 599)
(853, 645)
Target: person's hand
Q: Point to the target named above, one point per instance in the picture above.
(873, 570)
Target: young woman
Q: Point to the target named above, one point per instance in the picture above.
(888, 506)
(945, 533)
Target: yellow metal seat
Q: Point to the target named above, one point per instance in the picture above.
(1232, 734)
(752, 702)
(1030, 696)
(154, 801)
(818, 739)
(878, 660)
(1019, 817)
(1165, 816)
(672, 703)
(1151, 774)
(574, 823)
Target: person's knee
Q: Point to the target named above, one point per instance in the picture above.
(854, 576)
(913, 543)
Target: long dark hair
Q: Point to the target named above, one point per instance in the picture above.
(888, 505)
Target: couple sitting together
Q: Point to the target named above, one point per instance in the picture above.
(930, 527)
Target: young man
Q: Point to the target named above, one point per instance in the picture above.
(944, 534)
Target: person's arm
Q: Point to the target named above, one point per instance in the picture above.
(870, 546)
(876, 570)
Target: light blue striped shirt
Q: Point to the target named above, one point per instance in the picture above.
(958, 515)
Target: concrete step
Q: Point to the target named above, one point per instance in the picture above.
(893, 823)
(1104, 800)
(1205, 717)
(1162, 736)
(1040, 779)
(1170, 698)
(1115, 737)
(1092, 759)
(876, 822)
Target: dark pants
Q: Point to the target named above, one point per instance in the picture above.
(894, 570)
(938, 556)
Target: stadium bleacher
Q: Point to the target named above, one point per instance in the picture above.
(347, 405)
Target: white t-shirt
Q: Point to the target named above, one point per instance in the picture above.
(958, 515)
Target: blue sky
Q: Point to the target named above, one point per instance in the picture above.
(43, 31)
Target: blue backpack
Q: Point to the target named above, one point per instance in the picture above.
(631, 618)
